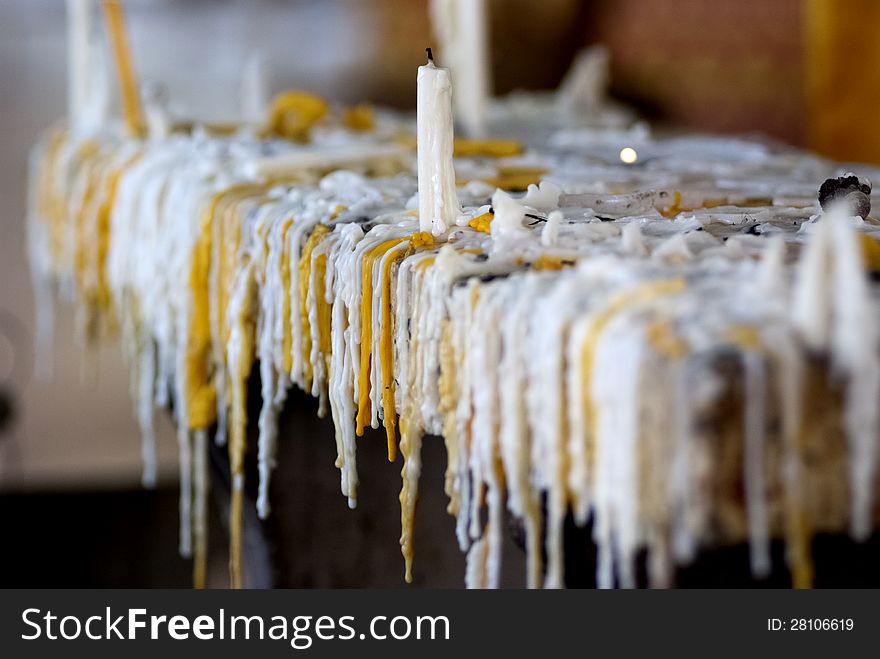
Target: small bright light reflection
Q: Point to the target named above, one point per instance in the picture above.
(628, 155)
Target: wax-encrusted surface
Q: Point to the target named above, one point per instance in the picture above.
(682, 349)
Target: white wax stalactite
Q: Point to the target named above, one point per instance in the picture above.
(343, 359)
(255, 90)
(462, 27)
(855, 342)
(523, 497)
(272, 395)
(614, 387)
(545, 388)
(810, 310)
(754, 422)
(438, 200)
(146, 387)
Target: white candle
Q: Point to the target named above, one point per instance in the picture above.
(438, 201)
(80, 17)
(461, 26)
(255, 90)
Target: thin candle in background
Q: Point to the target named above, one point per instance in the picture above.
(79, 59)
(462, 27)
(255, 97)
(131, 105)
(438, 200)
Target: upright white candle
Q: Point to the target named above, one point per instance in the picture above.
(462, 27)
(438, 200)
(255, 90)
(80, 18)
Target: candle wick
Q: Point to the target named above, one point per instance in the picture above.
(430, 54)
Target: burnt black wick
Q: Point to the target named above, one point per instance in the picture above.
(430, 54)
(536, 218)
(855, 192)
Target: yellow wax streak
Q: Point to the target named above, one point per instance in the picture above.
(305, 269)
(93, 167)
(744, 336)
(359, 118)
(425, 263)
(200, 391)
(465, 148)
(510, 182)
(482, 223)
(798, 536)
(363, 411)
(286, 339)
(870, 252)
(324, 308)
(294, 113)
(661, 336)
(546, 262)
(235, 518)
(131, 103)
(201, 396)
(245, 323)
(385, 354)
(410, 446)
(421, 239)
(673, 209)
(200, 535)
(621, 302)
(102, 230)
(52, 206)
(229, 224)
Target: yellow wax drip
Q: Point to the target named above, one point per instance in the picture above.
(294, 113)
(131, 104)
(385, 354)
(286, 338)
(482, 223)
(359, 118)
(305, 270)
(870, 252)
(466, 148)
(363, 411)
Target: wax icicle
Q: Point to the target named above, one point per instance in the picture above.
(200, 507)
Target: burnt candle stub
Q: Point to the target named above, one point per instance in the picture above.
(855, 192)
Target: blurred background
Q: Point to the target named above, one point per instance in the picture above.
(806, 72)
